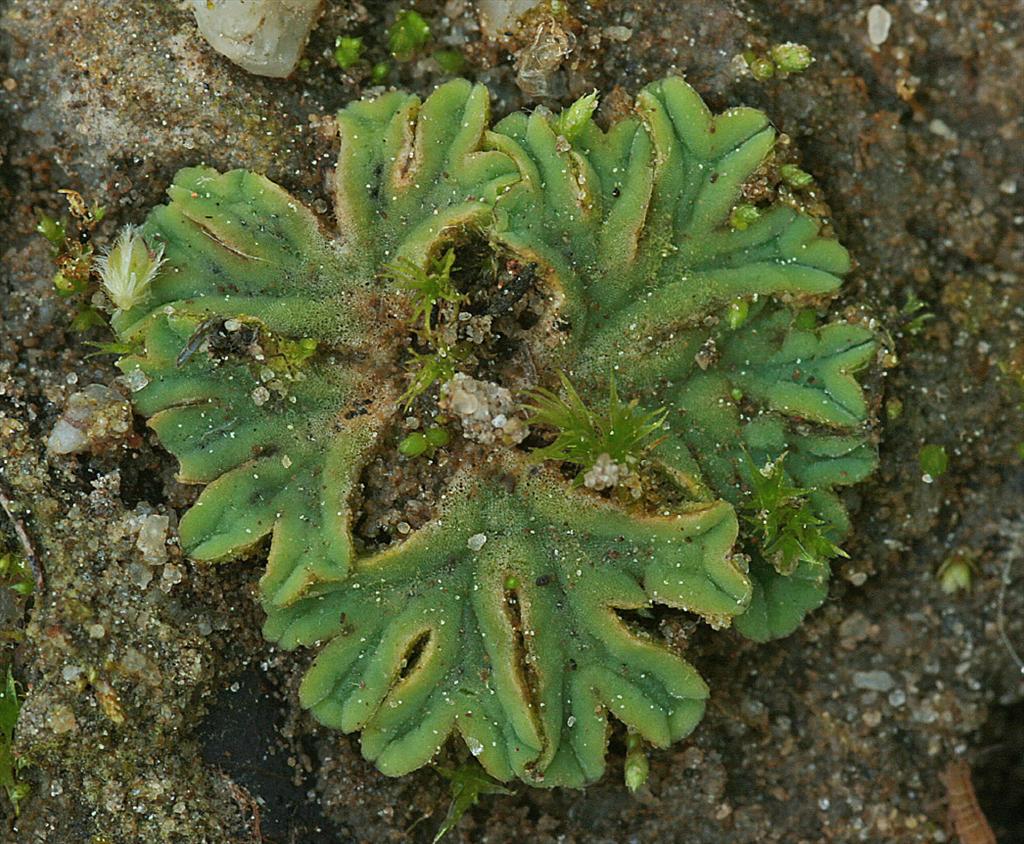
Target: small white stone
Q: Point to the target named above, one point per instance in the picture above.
(605, 473)
(879, 22)
(65, 438)
(476, 541)
(499, 18)
(92, 419)
(876, 681)
(152, 541)
(263, 36)
(941, 128)
(171, 577)
(465, 404)
(136, 380)
(140, 575)
(485, 410)
(618, 33)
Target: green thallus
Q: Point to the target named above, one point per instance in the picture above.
(507, 618)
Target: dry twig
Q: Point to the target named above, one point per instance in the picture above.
(965, 815)
(1004, 581)
(247, 804)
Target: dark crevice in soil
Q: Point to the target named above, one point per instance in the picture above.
(142, 477)
(999, 771)
(241, 737)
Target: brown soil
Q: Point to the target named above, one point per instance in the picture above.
(154, 712)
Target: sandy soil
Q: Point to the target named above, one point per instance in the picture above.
(153, 710)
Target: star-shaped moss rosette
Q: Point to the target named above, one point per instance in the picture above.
(273, 361)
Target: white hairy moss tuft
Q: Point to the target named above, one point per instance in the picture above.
(128, 268)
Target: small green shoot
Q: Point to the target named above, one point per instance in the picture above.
(791, 58)
(429, 368)
(413, 445)
(957, 574)
(53, 230)
(739, 310)
(73, 250)
(467, 782)
(451, 62)
(348, 50)
(429, 287)
(86, 318)
(782, 59)
(10, 706)
(914, 314)
(118, 349)
(893, 409)
(295, 352)
(637, 767)
(795, 177)
(934, 461)
(571, 121)
(408, 35)
(15, 574)
(785, 526)
(761, 67)
(743, 216)
(380, 72)
(423, 442)
(68, 284)
(622, 430)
